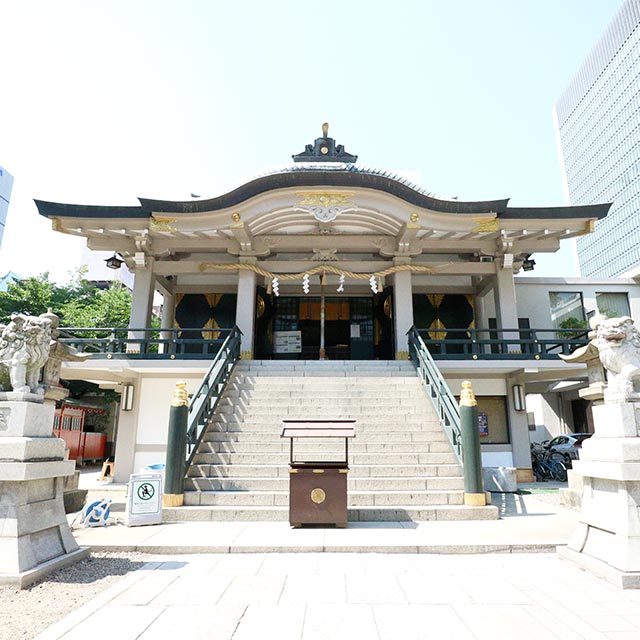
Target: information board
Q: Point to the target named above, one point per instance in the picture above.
(144, 499)
(287, 342)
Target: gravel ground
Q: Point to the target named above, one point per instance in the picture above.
(26, 612)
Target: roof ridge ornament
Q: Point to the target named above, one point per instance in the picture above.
(324, 149)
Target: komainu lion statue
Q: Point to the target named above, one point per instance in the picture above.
(24, 349)
(618, 343)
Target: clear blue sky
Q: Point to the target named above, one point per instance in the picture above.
(104, 102)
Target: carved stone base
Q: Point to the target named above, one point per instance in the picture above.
(35, 537)
(621, 579)
(33, 527)
(25, 578)
(608, 535)
(26, 419)
(21, 396)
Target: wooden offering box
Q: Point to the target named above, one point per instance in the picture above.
(318, 489)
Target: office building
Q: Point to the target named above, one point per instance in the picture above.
(597, 122)
(6, 184)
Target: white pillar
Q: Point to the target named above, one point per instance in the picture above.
(402, 311)
(125, 448)
(142, 297)
(519, 429)
(168, 320)
(141, 302)
(246, 311)
(506, 308)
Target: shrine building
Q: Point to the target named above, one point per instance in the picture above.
(327, 259)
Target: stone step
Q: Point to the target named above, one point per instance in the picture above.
(329, 381)
(355, 471)
(405, 484)
(401, 465)
(320, 393)
(374, 418)
(275, 426)
(355, 514)
(359, 405)
(355, 446)
(329, 409)
(328, 372)
(355, 459)
(356, 498)
(328, 363)
(321, 372)
(217, 433)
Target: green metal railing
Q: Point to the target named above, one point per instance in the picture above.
(439, 392)
(146, 343)
(502, 344)
(443, 344)
(205, 400)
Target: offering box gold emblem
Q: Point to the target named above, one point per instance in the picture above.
(318, 496)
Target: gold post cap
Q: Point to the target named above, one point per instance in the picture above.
(172, 499)
(467, 397)
(475, 499)
(180, 398)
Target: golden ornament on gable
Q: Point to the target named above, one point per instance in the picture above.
(159, 223)
(486, 225)
(324, 198)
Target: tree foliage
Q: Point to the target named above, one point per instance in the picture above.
(78, 303)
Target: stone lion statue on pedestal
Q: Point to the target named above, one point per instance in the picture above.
(24, 349)
(618, 344)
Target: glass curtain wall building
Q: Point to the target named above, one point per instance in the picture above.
(597, 121)
(6, 183)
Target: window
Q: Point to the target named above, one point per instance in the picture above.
(613, 305)
(567, 311)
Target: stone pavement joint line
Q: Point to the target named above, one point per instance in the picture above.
(366, 596)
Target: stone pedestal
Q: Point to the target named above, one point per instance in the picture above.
(35, 538)
(607, 540)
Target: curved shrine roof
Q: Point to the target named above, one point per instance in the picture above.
(344, 175)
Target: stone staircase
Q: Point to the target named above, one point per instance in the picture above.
(401, 465)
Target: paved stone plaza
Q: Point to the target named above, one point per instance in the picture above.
(385, 596)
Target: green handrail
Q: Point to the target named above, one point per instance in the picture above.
(205, 400)
(439, 392)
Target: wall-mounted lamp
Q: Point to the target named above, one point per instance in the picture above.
(517, 393)
(114, 262)
(126, 400)
(528, 265)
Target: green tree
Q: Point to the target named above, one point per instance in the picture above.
(581, 327)
(32, 296)
(78, 303)
(103, 308)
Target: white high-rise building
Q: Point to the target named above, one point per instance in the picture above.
(597, 122)
(6, 184)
